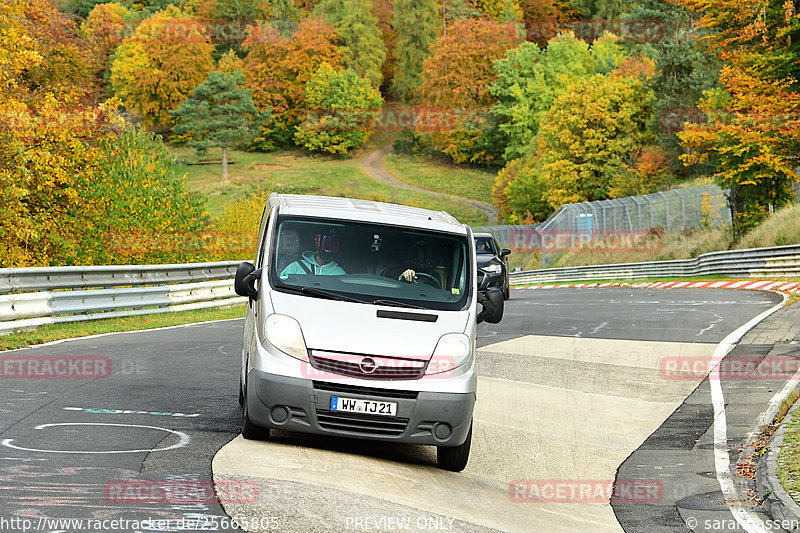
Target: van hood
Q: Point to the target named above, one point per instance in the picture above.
(349, 327)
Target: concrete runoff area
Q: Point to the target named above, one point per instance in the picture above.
(549, 432)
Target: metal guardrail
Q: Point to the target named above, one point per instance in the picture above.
(779, 261)
(72, 294)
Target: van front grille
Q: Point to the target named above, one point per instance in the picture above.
(363, 424)
(341, 388)
(377, 367)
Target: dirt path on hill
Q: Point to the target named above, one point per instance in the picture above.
(374, 167)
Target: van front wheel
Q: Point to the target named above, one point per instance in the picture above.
(454, 458)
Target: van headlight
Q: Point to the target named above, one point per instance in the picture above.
(284, 333)
(492, 269)
(452, 350)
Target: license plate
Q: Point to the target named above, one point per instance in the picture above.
(368, 407)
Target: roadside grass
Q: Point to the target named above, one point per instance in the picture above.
(433, 175)
(293, 171)
(53, 332)
(780, 229)
(676, 245)
(789, 456)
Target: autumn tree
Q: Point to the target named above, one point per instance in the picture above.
(277, 69)
(460, 70)
(752, 133)
(418, 26)
(341, 106)
(48, 127)
(590, 133)
(455, 81)
(363, 50)
(684, 70)
(104, 29)
(384, 14)
(157, 67)
(219, 113)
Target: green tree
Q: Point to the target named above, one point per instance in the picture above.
(145, 212)
(341, 107)
(219, 113)
(530, 79)
(363, 49)
(418, 25)
(226, 21)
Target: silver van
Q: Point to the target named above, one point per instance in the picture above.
(361, 323)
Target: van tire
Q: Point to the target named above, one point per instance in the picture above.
(251, 431)
(454, 458)
(241, 393)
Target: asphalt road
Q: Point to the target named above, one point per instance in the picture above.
(69, 445)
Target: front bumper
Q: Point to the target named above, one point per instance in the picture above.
(497, 281)
(302, 405)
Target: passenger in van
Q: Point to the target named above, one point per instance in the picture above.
(320, 261)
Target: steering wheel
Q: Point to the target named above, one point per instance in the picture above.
(438, 284)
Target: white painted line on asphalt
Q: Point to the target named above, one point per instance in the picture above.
(59, 341)
(747, 519)
(184, 439)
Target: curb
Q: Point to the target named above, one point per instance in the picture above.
(762, 285)
(779, 505)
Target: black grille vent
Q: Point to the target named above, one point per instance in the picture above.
(397, 370)
(364, 424)
(365, 391)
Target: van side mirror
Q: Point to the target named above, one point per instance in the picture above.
(492, 302)
(504, 252)
(245, 282)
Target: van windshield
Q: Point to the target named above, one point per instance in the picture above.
(370, 263)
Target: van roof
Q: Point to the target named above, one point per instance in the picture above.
(364, 210)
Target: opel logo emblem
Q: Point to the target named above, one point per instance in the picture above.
(368, 365)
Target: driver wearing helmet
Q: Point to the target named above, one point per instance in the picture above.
(319, 261)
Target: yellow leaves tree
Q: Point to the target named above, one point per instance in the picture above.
(104, 29)
(159, 66)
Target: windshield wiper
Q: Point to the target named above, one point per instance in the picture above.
(394, 303)
(319, 293)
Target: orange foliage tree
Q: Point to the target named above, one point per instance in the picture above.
(277, 69)
(752, 131)
(158, 67)
(455, 81)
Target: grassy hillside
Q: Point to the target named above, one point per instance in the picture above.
(436, 175)
(295, 172)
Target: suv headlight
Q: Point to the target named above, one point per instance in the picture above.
(492, 269)
(284, 333)
(452, 351)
